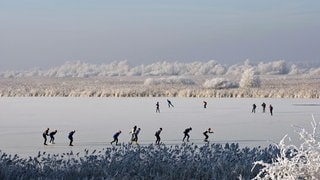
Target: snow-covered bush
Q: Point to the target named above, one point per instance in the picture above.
(249, 79)
(186, 161)
(219, 83)
(294, 162)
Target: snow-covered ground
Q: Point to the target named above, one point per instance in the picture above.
(23, 119)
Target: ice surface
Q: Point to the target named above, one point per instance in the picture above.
(96, 119)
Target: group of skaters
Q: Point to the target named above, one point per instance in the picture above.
(51, 134)
(264, 105)
(158, 105)
(254, 107)
(135, 131)
(171, 105)
(134, 136)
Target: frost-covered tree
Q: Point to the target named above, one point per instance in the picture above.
(249, 79)
(294, 162)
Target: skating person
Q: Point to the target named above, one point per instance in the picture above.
(254, 106)
(157, 134)
(186, 134)
(271, 109)
(70, 136)
(44, 135)
(206, 134)
(169, 103)
(115, 137)
(204, 104)
(157, 107)
(263, 107)
(132, 132)
(136, 135)
(52, 136)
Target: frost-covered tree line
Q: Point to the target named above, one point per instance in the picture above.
(123, 68)
(210, 79)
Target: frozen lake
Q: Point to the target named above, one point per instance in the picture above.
(95, 120)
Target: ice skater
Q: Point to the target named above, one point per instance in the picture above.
(169, 103)
(186, 134)
(157, 134)
(70, 136)
(115, 138)
(157, 107)
(44, 135)
(263, 107)
(52, 136)
(254, 106)
(271, 109)
(206, 134)
(133, 132)
(204, 104)
(136, 135)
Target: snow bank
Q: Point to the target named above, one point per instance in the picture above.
(122, 68)
(141, 162)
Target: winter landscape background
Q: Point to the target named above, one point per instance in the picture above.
(85, 97)
(276, 79)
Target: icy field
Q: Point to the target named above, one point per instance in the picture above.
(96, 120)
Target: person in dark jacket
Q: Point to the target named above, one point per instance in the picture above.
(206, 134)
(136, 135)
(44, 135)
(263, 107)
(254, 106)
(271, 109)
(157, 107)
(204, 104)
(157, 134)
(169, 103)
(186, 134)
(52, 136)
(133, 132)
(70, 136)
(115, 137)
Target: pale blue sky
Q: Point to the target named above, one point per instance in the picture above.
(45, 33)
